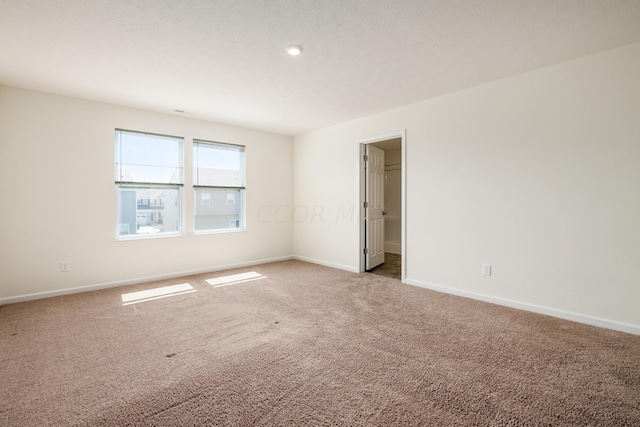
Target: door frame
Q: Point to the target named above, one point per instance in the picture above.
(402, 134)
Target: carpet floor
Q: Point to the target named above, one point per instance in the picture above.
(299, 344)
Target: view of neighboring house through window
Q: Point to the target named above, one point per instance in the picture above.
(148, 177)
(218, 181)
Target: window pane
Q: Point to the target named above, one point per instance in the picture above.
(213, 212)
(146, 158)
(218, 165)
(148, 210)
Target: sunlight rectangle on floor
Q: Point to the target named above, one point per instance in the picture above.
(234, 279)
(156, 293)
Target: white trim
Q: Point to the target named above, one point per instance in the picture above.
(393, 248)
(402, 134)
(361, 198)
(403, 204)
(554, 312)
(326, 263)
(389, 135)
(89, 288)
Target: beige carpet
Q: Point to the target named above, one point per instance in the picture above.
(307, 345)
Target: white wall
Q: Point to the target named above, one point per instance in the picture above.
(58, 197)
(538, 175)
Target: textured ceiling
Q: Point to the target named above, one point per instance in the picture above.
(225, 61)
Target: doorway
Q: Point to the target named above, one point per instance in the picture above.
(382, 205)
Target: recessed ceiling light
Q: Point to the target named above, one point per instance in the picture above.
(294, 50)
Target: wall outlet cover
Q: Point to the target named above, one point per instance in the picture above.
(486, 269)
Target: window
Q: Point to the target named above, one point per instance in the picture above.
(148, 177)
(218, 173)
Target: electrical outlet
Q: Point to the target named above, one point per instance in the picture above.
(64, 266)
(486, 269)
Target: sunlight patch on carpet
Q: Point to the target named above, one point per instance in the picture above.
(156, 293)
(234, 279)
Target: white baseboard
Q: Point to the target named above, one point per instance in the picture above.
(393, 248)
(567, 315)
(69, 291)
(562, 314)
(326, 264)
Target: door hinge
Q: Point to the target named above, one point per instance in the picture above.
(366, 251)
(366, 204)
(366, 158)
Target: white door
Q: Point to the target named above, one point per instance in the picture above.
(374, 206)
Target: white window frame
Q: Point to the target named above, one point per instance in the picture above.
(200, 182)
(127, 180)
